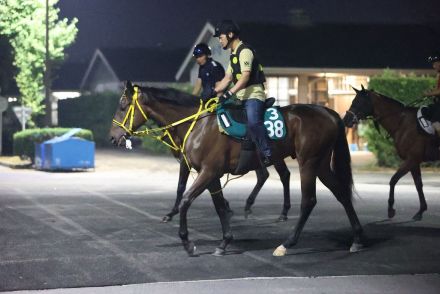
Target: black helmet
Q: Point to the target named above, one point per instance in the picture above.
(201, 49)
(225, 27)
(433, 58)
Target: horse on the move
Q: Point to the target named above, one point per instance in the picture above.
(315, 136)
(412, 146)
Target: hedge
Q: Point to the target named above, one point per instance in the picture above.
(408, 89)
(94, 112)
(24, 141)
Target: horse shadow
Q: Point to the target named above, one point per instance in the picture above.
(376, 234)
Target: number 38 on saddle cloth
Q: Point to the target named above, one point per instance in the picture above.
(231, 118)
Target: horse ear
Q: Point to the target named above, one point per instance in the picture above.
(362, 86)
(129, 87)
(356, 90)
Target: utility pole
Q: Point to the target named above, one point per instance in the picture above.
(48, 98)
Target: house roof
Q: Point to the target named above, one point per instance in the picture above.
(337, 46)
(144, 64)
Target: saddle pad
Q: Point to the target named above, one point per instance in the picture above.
(273, 121)
(424, 123)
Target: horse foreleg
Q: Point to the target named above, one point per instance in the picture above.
(181, 187)
(200, 184)
(308, 202)
(262, 175)
(417, 177)
(284, 174)
(223, 211)
(403, 170)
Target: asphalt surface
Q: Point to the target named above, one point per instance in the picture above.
(102, 228)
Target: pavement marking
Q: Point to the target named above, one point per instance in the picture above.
(129, 258)
(193, 231)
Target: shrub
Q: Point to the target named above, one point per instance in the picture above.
(407, 89)
(24, 141)
(94, 112)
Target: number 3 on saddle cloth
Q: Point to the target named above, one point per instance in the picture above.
(231, 118)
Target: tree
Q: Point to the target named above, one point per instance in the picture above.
(24, 22)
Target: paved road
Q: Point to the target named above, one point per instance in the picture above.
(101, 228)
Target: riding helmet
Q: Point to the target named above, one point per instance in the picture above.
(225, 27)
(433, 58)
(201, 49)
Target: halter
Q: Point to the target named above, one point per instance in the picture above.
(164, 132)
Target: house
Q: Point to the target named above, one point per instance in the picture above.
(318, 63)
(109, 67)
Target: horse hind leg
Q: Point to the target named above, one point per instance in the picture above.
(329, 179)
(417, 177)
(284, 174)
(308, 202)
(262, 175)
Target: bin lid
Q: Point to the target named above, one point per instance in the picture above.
(64, 137)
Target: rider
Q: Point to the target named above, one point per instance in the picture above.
(211, 72)
(247, 74)
(434, 109)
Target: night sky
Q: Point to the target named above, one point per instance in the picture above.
(176, 23)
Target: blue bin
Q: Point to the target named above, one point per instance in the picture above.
(65, 153)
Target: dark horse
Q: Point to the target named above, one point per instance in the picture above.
(400, 122)
(315, 136)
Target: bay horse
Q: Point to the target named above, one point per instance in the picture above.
(315, 137)
(400, 121)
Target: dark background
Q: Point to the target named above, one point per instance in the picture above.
(171, 24)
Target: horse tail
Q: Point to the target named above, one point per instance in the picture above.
(341, 161)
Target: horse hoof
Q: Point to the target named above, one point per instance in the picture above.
(167, 218)
(190, 249)
(391, 213)
(247, 213)
(418, 216)
(356, 247)
(219, 252)
(280, 251)
(282, 218)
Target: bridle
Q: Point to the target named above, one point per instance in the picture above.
(129, 116)
(164, 132)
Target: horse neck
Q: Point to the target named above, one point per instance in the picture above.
(387, 112)
(166, 114)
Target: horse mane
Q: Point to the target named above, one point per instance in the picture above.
(172, 96)
(389, 99)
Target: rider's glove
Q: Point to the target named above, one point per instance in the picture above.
(225, 96)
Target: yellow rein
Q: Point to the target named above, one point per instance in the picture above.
(210, 106)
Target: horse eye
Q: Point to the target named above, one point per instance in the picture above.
(123, 102)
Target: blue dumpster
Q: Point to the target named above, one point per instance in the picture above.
(65, 153)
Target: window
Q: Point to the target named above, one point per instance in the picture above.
(283, 89)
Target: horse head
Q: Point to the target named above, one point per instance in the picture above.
(361, 107)
(130, 114)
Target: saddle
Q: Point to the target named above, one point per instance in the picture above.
(232, 121)
(424, 122)
(231, 118)
(424, 125)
